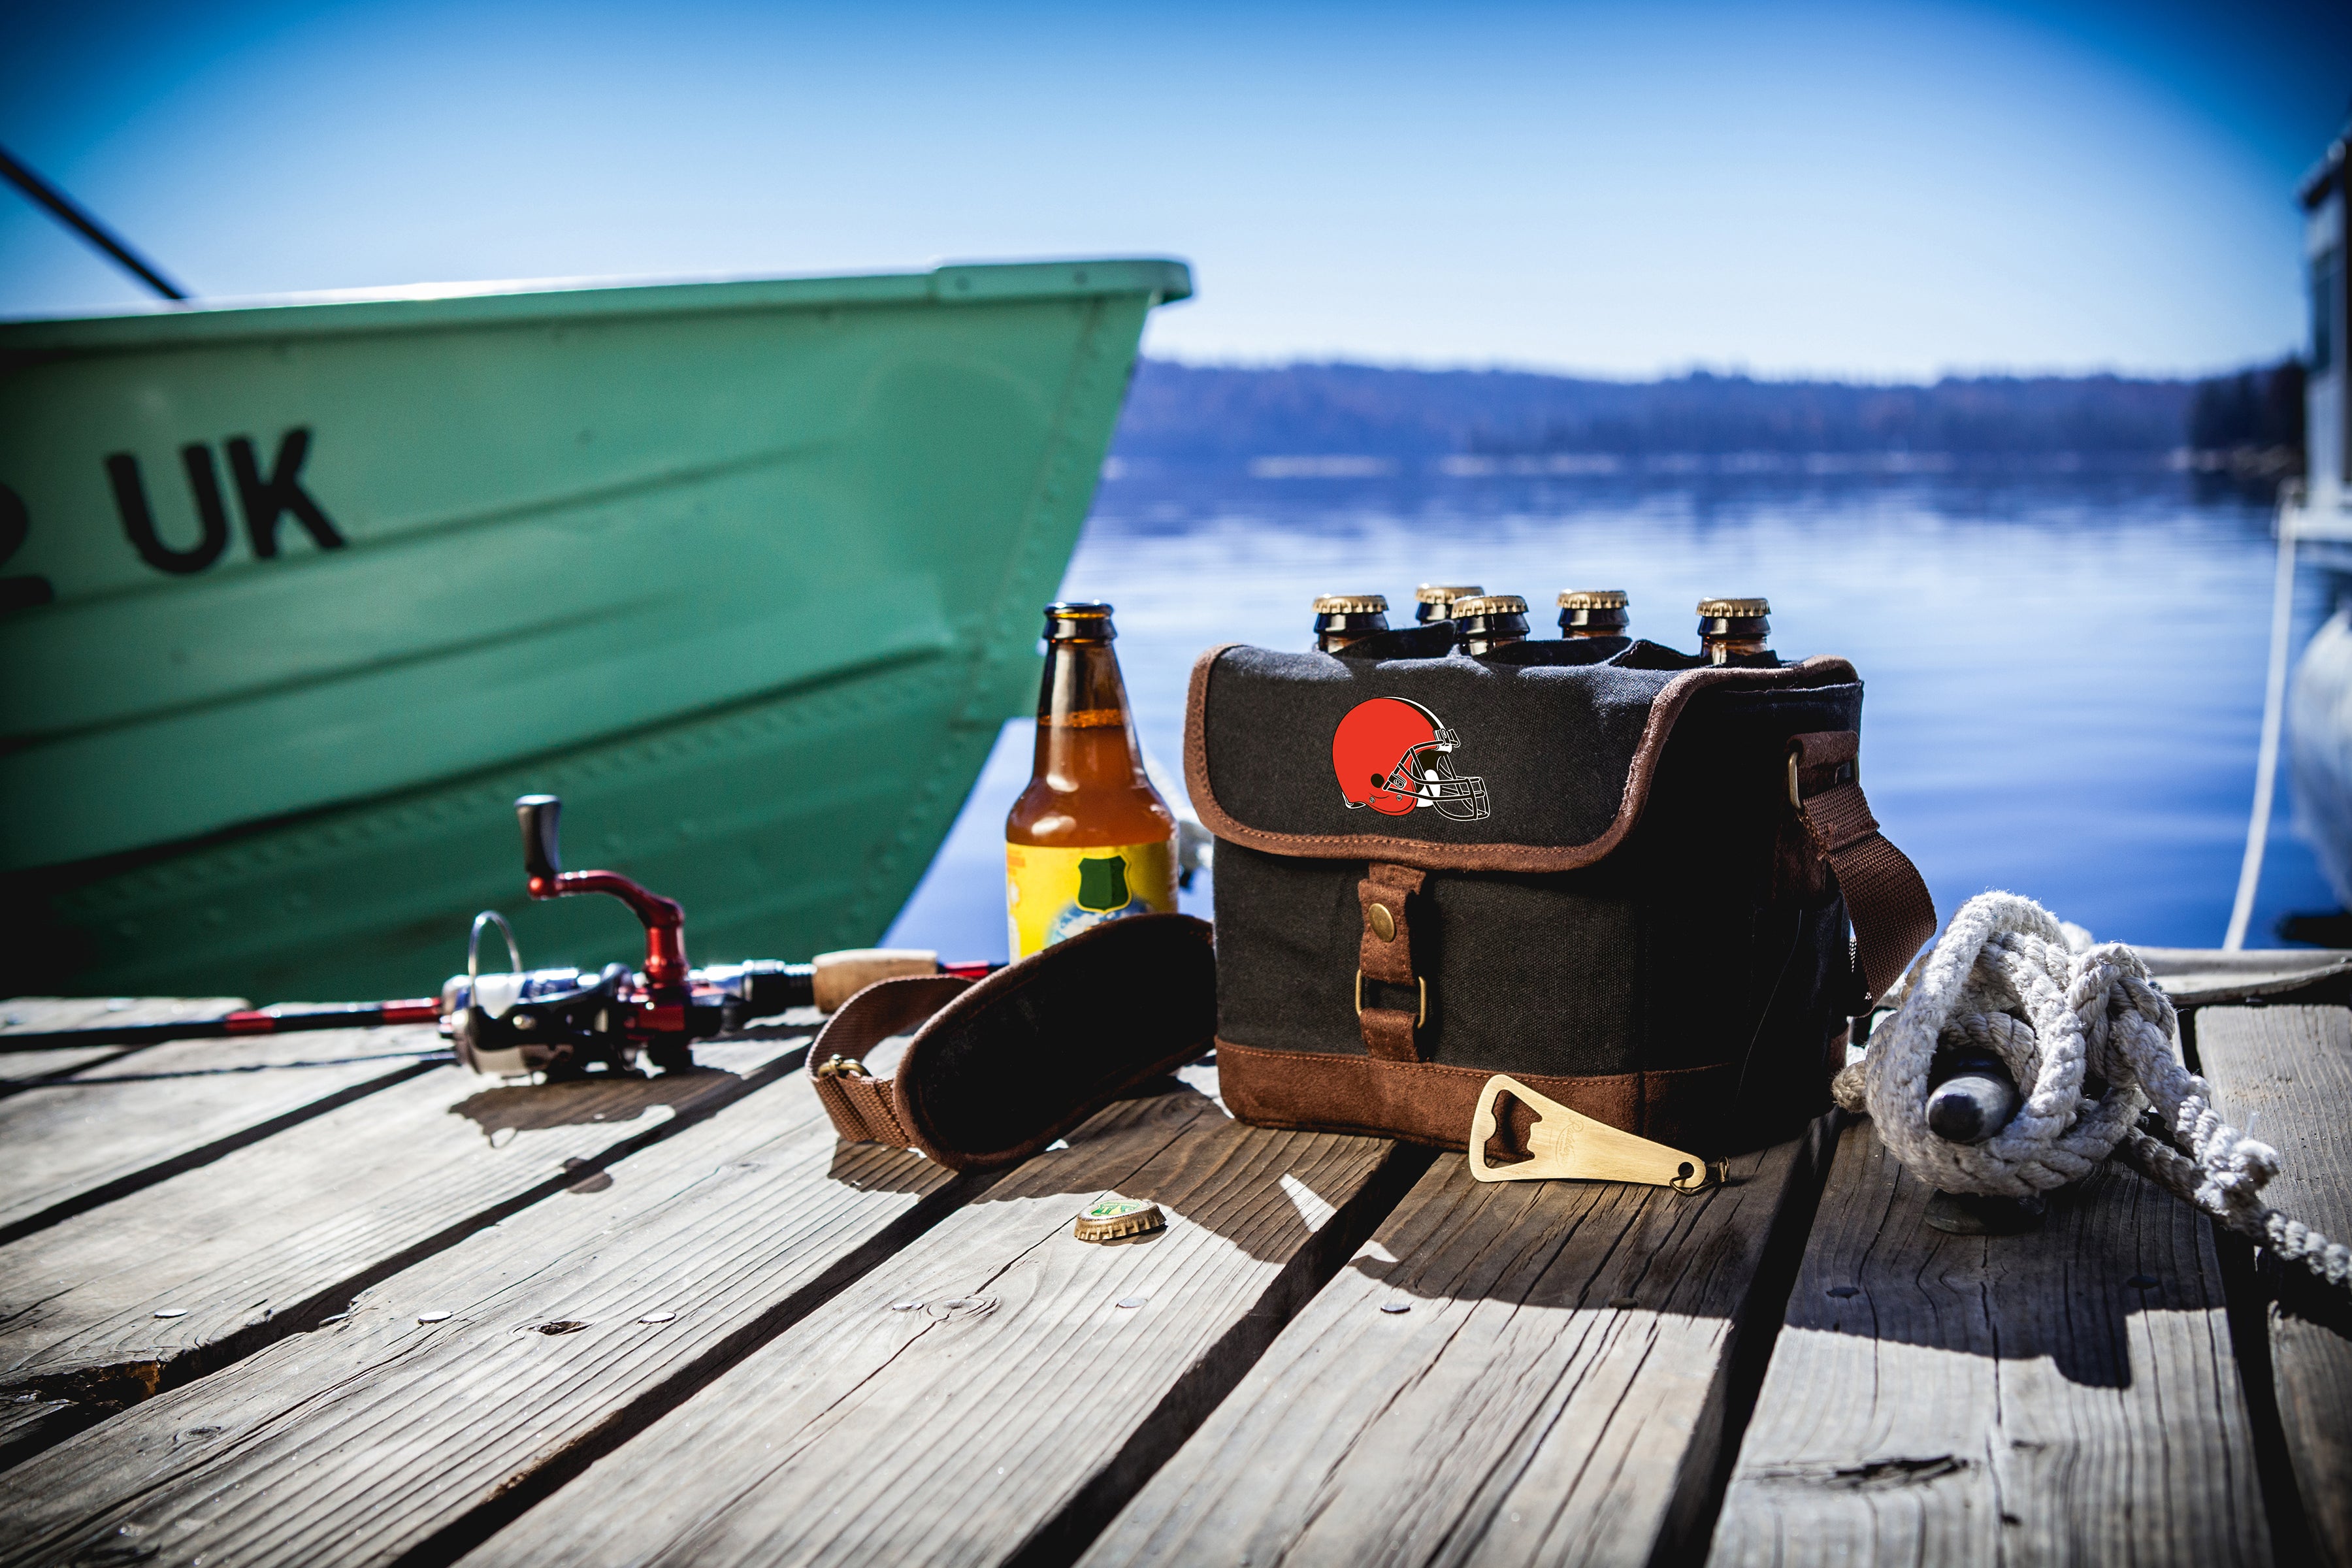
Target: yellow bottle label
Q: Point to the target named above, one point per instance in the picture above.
(1053, 893)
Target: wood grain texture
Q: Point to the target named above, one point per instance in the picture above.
(2065, 1397)
(2289, 1070)
(37, 1015)
(271, 1237)
(96, 1132)
(984, 1395)
(1511, 1414)
(379, 1434)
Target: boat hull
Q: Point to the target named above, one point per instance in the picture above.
(2319, 751)
(747, 573)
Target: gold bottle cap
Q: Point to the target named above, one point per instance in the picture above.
(1114, 1218)
(1490, 604)
(1351, 604)
(1594, 599)
(1734, 609)
(1445, 593)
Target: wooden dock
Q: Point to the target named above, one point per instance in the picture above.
(327, 1299)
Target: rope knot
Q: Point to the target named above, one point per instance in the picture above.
(2092, 1042)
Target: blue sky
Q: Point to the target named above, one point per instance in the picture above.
(1888, 190)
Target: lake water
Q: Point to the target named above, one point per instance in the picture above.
(2063, 670)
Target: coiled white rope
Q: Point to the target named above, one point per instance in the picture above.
(2067, 1018)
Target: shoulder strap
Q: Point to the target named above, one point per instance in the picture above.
(1893, 915)
(999, 1067)
(863, 1108)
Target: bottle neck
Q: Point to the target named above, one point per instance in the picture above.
(1336, 630)
(1476, 634)
(1736, 640)
(1086, 736)
(1734, 651)
(1594, 622)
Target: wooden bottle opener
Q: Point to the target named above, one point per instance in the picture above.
(1567, 1143)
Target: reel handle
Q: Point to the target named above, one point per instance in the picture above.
(540, 816)
(664, 919)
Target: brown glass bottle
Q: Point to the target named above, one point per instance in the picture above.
(1089, 840)
(1485, 622)
(1432, 601)
(1736, 631)
(1344, 618)
(1594, 613)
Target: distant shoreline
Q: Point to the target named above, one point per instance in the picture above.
(1364, 465)
(1345, 421)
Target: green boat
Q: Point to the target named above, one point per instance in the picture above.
(299, 596)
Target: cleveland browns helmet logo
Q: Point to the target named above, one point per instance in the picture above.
(1395, 757)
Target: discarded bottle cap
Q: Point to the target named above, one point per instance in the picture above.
(1351, 604)
(1114, 1218)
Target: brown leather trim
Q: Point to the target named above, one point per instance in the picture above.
(1820, 670)
(1893, 914)
(1387, 1032)
(1430, 1102)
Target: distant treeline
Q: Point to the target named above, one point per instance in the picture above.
(2255, 408)
(1177, 411)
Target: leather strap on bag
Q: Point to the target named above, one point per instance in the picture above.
(1385, 954)
(998, 1068)
(1886, 900)
(859, 1103)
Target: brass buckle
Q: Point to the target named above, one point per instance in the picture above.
(1420, 980)
(1847, 772)
(1568, 1144)
(842, 1067)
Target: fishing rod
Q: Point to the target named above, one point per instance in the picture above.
(564, 1022)
(66, 210)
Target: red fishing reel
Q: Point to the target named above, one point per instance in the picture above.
(568, 1022)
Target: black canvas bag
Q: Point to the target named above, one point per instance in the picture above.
(1619, 875)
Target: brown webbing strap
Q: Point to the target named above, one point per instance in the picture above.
(863, 1108)
(1886, 900)
(1388, 958)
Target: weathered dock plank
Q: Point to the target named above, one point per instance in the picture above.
(111, 1306)
(37, 1015)
(2289, 1071)
(1520, 1373)
(381, 1434)
(88, 1135)
(1000, 1387)
(2068, 1395)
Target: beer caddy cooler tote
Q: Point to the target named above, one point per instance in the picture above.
(1617, 874)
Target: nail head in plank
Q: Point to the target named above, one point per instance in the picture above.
(903, 1436)
(1555, 1393)
(2289, 1070)
(280, 1229)
(374, 1437)
(1950, 1399)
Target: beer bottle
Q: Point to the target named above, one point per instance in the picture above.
(1433, 601)
(1485, 622)
(1594, 613)
(1344, 618)
(1735, 631)
(1089, 840)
